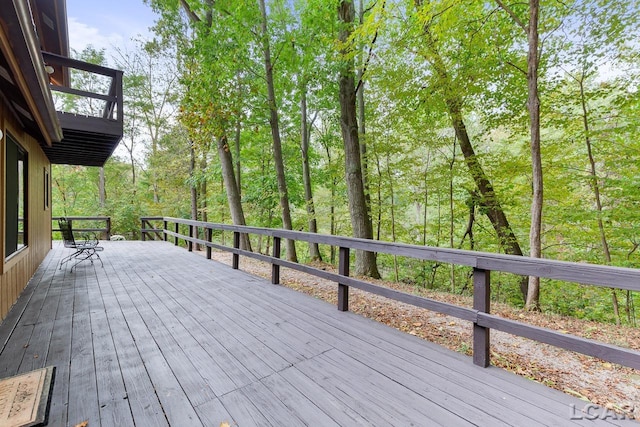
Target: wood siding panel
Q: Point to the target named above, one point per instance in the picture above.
(16, 272)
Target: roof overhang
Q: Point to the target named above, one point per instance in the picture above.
(33, 35)
(26, 72)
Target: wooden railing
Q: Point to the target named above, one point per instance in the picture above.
(113, 99)
(148, 230)
(73, 220)
(481, 262)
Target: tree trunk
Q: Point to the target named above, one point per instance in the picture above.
(424, 215)
(393, 215)
(231, 188)
(203, 190)
(275, 133)
(489, 199)
(379, 200)
(360, 219)
(194, 188)
(332, 207)
(237, 157)
(452, 267)
(314, 250)
(102, 189)
(533, 103)
(222, 208)
(202, 208)
(237, 142)
(362, 130)
(596, 193)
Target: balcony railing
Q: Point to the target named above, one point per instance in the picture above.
(91, 120)
(481, 262)
(105, 232)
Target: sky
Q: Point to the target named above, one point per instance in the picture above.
(106, 24)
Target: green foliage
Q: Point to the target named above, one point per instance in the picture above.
(419, 185)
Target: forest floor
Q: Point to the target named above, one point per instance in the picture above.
(609, 385)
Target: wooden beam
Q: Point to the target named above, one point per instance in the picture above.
(275, 268)
(83, 93)
(343, 269)
(482, 303)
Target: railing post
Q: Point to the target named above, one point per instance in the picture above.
(275, 268)
(482, 303)
(208, 233)
(343, 270)
(164, 228)
(143, 234)
(190, 243)
(108, 236)
(177, 229)
(236, 245)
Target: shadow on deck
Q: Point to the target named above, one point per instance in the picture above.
(162, 337)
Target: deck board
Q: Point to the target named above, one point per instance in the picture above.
(160, 337)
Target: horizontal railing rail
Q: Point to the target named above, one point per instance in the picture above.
(481, 262)
(105, 231)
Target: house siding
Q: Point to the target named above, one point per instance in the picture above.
(19, 268)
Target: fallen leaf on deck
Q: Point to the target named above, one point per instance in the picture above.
(83, 424)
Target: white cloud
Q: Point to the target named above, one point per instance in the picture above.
(81, 35)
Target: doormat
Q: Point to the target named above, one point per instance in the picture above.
(25, 398)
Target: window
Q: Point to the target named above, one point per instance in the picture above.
(16, 236)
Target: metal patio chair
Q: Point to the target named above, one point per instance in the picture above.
(85, 250)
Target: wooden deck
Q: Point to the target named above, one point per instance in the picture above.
(160, 336)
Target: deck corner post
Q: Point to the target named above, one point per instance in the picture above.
(190, 242)
(343, 270)
(275, 268)
(177, 229)
(164, 229)
(209, 234)
(143, 235)
(108, 232)
(482, 303)
(236, 245)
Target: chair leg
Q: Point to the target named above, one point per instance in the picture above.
(83, 255)
(69, 258)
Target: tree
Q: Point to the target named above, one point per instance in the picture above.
(275, 133)
(205, 111)
(150, 90)
(360, 218)
(454, 102)
(305, 136)
(591, 42)
(530, 28)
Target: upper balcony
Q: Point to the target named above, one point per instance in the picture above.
(73, 108)
(91, 120)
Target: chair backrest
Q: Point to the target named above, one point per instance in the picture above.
(67, 233)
